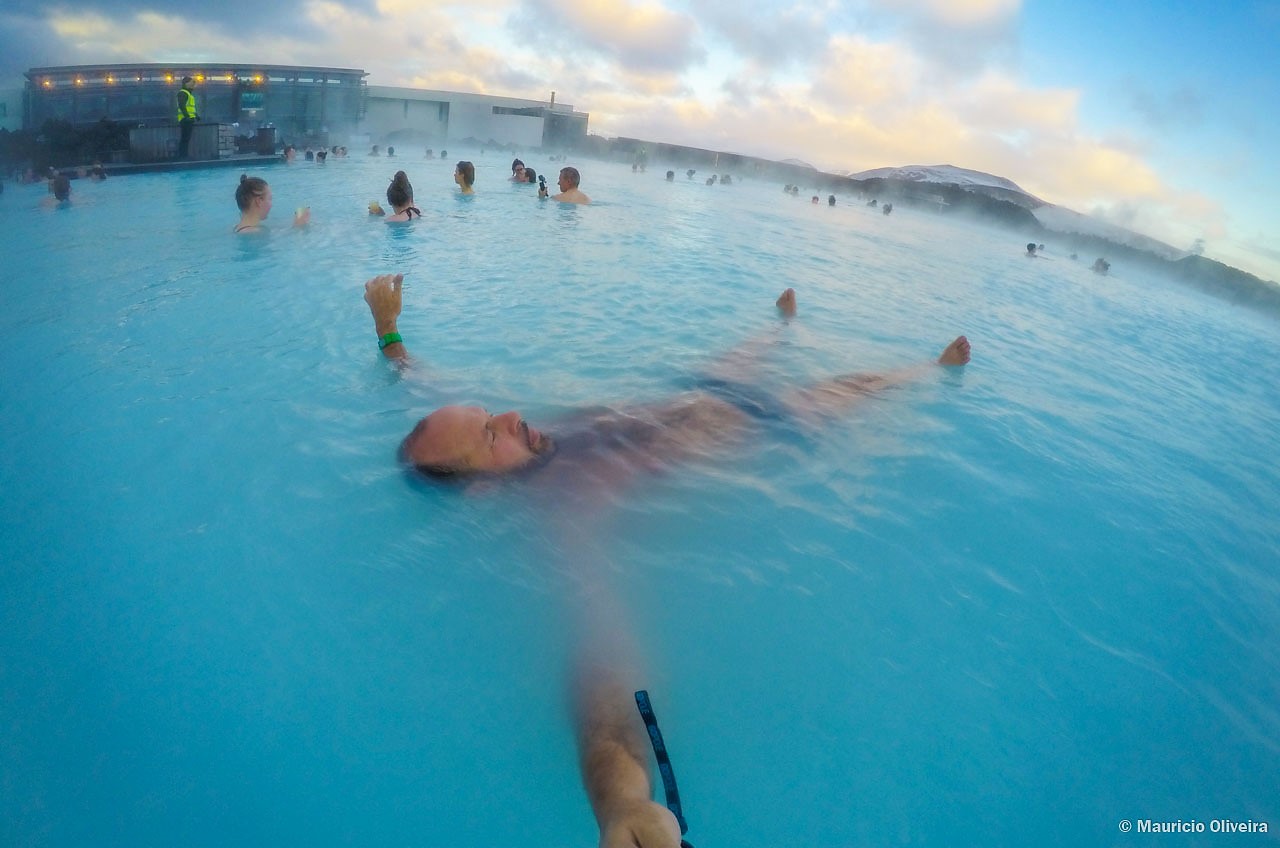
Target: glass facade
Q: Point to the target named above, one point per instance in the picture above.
(298, 101)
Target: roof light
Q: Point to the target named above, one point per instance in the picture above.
(199, 77)
(168, 77)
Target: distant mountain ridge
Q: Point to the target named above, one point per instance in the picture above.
(945, 174)
(1057, 219)
(1004, 201)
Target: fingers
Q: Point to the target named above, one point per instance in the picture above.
(381, 285)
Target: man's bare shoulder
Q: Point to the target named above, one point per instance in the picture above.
(573, 195)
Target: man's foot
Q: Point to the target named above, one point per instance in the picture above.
(786, 302)
(957, 353)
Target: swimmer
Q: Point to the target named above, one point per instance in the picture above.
(607, 445)
(400, 196)
(374, 151)
(1031, 250)
(831, 200)
(253, 196)
(465, 176)
(569, 191)
(60, 188)
(671, 176)
(518, 174)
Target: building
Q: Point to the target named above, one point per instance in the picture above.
(305, 105)
(441, 118)
(302, 103)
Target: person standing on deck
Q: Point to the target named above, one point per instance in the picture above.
(186, 117)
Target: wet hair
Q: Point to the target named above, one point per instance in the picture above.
(530, 175)
(249, 188)
(516, 163)
(399, 192)
(62, 187)
(468, 172)
(440, 472)
(572, 175)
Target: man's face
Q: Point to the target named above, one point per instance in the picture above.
(468, 438)
(564, 183)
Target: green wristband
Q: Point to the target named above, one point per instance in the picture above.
(389, 339)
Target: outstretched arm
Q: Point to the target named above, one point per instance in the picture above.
(382, 293)
(614, 757)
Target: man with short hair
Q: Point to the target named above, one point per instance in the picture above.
(603, 448)
(569, 191)
(187, 117)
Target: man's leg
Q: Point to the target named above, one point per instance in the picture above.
(740, 364)
(186, 125)
(833, 396)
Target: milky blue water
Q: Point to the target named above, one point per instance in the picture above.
(1012, 604)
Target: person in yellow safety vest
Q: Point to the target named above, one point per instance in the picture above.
(186, 116)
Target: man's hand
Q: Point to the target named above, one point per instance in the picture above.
(641, 824)
(382, 293)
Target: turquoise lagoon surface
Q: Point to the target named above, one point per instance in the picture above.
(1010, 604)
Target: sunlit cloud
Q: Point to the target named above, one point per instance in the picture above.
(960, 13)
(644, 36)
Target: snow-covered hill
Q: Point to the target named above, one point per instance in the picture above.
(945, 174)
(1056, 219)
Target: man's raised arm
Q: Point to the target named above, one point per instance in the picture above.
(382, 293)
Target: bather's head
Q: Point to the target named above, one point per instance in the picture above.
(400, 192)
(465, 174)
(253, 193)
(461, 440)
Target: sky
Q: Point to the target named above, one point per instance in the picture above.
(1163, 117)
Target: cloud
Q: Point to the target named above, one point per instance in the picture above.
(641, 37)
(959, 14)
(956, 38)
(761, 31)
(858, 75)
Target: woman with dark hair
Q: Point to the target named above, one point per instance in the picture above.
(253, 196)
(465, 176)
(518, 174)
(400, 196)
